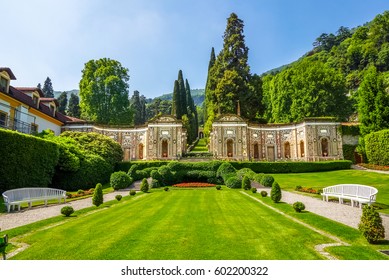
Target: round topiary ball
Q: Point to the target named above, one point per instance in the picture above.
(298, 206)
(67, 211)
(118, 197)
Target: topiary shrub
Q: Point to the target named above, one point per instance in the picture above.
(144, 186)
(166, 175)
(371, 225)
(246, 183)
(132, 170)
(298, 206)
(225, 170)
(120, 180)
(267, 181)
(67, 211)
(98, 195)
(166, 189)
(264, 193)
(275, 193)
(155, 175)
(132, 192)
(155, 184)
(233, 182)
(118, 197)
(254, 190)
(218, 187)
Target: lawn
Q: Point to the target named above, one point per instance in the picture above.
(201, 146)
(319, 180)
(201, 224)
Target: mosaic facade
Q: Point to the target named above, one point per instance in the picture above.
(311, 140)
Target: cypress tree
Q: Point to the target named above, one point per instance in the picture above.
(63, 102)
(74, 107)
(208, 105)
(182, 93)
(47, 89)
(275, 193)
(136, 108)
(98, 198)
(176, 101)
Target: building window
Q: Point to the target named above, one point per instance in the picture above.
(3, 119)
(3, 84)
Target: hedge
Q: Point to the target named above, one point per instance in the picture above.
(26, 161)
(293, 166)
(377, 147)
(126, 165)
(348, 152)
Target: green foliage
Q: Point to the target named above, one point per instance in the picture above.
(47, 89)
(132, 192)
(63, 102)
(166, 189)
(224, 170)
(118, 197)
(275, 193)
(126, 165)
(218, 187)
(138, 107)
(246, 183)
(104, 92)
(377, 147)
(74, 106)
(144, 186)
(166, 175)
(67, 211)
(267, 181)
(264, 193)
(26, 160)
(353, 130)
(98, 197)
(254, 190)
(348, 152)
(233, 182)
(120, 180)
(154, 174)
(371, 225)
(155, 184)
(298, 206)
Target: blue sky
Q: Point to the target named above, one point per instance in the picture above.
(156, 38)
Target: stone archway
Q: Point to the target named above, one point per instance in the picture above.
(165, 148)
(324, 147)
(230, 148)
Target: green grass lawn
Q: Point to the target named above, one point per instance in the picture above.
(201, 146)
(319, 180)
(202, 224)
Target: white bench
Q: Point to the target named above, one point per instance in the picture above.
(357, 194)
(15, 197)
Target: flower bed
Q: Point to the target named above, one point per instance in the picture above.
(194, 185)
(308, 190)
(374, 166)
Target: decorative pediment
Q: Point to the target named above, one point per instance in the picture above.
(230, 118)
(164, 119)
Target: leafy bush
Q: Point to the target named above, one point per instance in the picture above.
(264, 193)
(348, 152)
(254, 190)
(144, 186)
(224, 170)
(267, 181)
(120, 180)
(126, 165)
(118, 197)
(246, 183)
(298, 206)
(218, 187)
(166, 189)
(167, 176)
(233, 182)
(154, 174)
(132, 170)
(98, 195)
(371, 225)
(155, 184)
(275, 193)
(26, 160)
(377, 147)
(67, 211)
(132, 192)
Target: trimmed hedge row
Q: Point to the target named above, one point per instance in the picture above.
(348, 152)
(293, 166)
(26, 161)
(377, 147)
(126, 165)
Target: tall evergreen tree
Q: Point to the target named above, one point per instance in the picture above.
(39, 86)
(136, 107)
(47, 89)
(143, 108)
(209, 101)
(74, 106)
(182, 93)
(63, 102)
(176, 110)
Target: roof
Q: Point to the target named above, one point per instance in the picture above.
(31, 89)
(24, 98)
(49, 99)
(9, 72)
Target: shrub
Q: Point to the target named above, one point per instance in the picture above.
(377, 147)
(19, 153)
(298, 206)
(118, 197)
(264, 193)
(254, 190)
(224, 170)
(298, 188)
(144, 186)
(80, 192)
(258, 177)
(154, 174)
(67, 211)
(98, 195)
(275, 193)
(166, 175)
(155, 184)
(233, 182)
(267, 181)
(246, 183)
(131, 171)
(371, 225)
(120, 180)
(166, 189)
(218, 187)
(132, 192)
